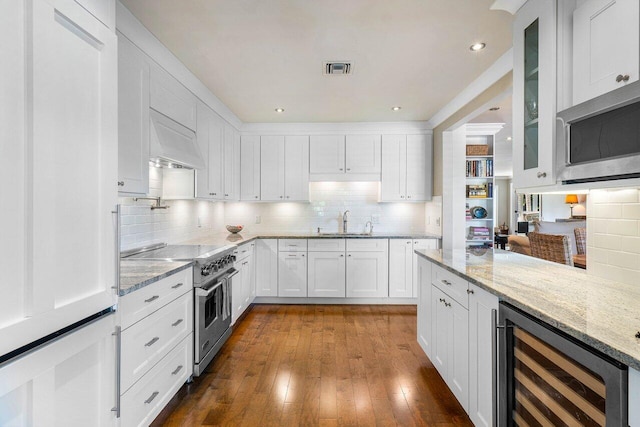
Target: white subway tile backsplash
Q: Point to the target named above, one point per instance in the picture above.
(613, 234)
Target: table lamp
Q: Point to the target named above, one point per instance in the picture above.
(572, 200)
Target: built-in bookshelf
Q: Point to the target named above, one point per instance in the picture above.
(479, 188)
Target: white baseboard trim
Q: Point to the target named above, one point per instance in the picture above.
(337, 301)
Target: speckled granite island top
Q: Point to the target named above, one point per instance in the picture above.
(245, 237)
(136, 274)
(601, 313)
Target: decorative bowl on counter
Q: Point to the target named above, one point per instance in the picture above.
(234, 228)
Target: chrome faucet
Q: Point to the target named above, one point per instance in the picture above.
(344, 221)
(370, 224)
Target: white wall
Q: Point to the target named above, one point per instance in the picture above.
(328, 200)
(613, 234)
(503, 203)
(184, 220)
(433, 216)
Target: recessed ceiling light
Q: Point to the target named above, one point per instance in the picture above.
(396, 108)
(477, 46)
(279, 110)
(494, 108)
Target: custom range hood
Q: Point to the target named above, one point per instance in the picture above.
(173, 144)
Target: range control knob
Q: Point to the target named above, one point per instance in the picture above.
(204, 271)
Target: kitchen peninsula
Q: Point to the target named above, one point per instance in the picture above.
(598, 315)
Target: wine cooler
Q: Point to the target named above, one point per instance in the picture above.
(549, 379)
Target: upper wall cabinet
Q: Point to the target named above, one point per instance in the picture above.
(133, 118)
(406, 168)
(171, 98)
(606, 46)
(210, 134)
(284, 168)
(534, 94)
(231, 163)
(340, 158)
(250, 167)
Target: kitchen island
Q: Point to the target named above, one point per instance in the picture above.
(599, 316)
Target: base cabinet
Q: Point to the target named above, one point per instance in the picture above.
(243, 283)
(326, 275)
(367, 274)
(458, 339)
(292, 274)
(69, 382)
(401, 268)
(266, 268)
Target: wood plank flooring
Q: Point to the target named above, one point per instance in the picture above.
(319, 365)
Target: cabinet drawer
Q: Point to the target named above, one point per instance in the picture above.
(149, 340)
(425, 244)
(243, 251)
(292, 245)
(326, 245)
(141, 303)
(144, 401)
(367, 245)
(451, 285)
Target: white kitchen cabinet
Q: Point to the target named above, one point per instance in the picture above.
(284, 168)
(450, 350)
(70, 381)
(367, 274)
(169, 97)
(326, 154)
(420, 244)
(157, 346)
(292, 274)
(481, 394)
(363, 154)
(424, 305)
(606, 47)
(231, 163)
(401, 268)
(210, 135)
(250, 168)
(133, 118)
(419, 167)
(59, 147)
(534, 94)
(242, 283)
(326, 276)
(340, 158)
(266, 266)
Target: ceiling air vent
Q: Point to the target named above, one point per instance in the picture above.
(341, 68)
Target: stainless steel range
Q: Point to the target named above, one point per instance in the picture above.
(212, 277)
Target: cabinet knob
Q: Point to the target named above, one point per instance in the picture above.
(542, 174)
(341, 255)
(281, 197)
(408, 197)
(402, 197)
(256, 197)
(120, 183)
(226, 195)
(341, 169)
(447, 304)
(287, 197)
(348, 169)
(349, 255)
(408, 243)
(621, 78)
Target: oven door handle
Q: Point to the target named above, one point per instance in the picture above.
(200, 292)
(233, 274)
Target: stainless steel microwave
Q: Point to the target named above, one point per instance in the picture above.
(600, 138)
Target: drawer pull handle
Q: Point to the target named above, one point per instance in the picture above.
(446, 282)
(177, 370)
(470, 291)
(153, 298)
(152, 342)
(153, 396)
(447, 304)
(177, 285)
(441, 299)
(177, 322)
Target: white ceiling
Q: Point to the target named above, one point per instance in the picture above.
(503, 148)
(256, 55)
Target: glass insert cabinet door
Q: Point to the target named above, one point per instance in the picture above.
(531, 48)
(534, 94)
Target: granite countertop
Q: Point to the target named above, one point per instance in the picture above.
(245, 237)
(599, 312)
(136, 274)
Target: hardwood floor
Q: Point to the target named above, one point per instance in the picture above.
(319, 365)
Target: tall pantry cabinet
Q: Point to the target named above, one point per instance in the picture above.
(58, 166)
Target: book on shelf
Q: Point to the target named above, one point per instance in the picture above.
(480, 168)
(468, 212)
(478, 191)
(479, 233)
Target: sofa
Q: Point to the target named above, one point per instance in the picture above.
(520, 243)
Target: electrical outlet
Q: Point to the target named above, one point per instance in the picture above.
(199, 222)
(438, 221)
(375, 219)
(429, 220)
(258, 219)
